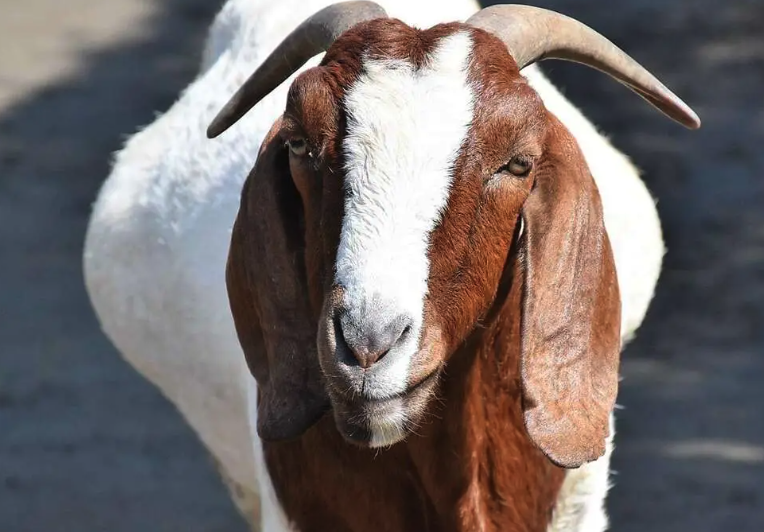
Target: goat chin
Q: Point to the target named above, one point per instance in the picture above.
(157, 243)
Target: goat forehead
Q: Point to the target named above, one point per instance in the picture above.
(405, 127)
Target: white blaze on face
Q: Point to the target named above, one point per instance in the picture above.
(404, 131)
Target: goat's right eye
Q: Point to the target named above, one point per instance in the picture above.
(298, 146)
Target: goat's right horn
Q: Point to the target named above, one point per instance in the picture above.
(532, 34)
(315, 35)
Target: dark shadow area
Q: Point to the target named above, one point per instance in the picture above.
(86, 444)
(690, 440)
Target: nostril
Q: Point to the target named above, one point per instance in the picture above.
(366, 340)
(343, 352)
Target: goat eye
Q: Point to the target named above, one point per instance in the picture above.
(298, 146)
(518, 166)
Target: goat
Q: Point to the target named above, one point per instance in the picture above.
(420, 274)
(157, 238)
(157, 241)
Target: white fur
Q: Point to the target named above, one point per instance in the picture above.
(400, 148)
(390, 429)
(157, 241)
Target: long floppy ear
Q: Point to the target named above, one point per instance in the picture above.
(268, 295)
(571, 309)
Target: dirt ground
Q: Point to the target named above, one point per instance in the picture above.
(87, 446)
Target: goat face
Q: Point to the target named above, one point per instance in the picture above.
(420, 197)
(413, 153)
(386, 210)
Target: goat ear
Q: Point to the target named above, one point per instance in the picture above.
(268, 295)
(571, 309)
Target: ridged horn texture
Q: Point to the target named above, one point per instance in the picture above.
(533, 34)
(315, 35)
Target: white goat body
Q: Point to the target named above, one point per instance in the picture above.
(158, 238)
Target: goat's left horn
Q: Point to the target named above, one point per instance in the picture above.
(533, 34)
(315, 35)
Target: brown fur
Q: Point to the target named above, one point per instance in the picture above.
(517, 368)
(266, 288)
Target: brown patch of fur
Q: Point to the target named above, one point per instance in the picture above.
(267, 291)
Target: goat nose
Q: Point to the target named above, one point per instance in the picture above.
(370, 337)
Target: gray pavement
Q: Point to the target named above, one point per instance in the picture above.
(87, 446)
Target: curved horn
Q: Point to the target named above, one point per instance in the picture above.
(315, 35)
(533, 34)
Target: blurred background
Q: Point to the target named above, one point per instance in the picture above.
(86, 444)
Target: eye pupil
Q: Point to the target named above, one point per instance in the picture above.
(518, 167)
(297, 146)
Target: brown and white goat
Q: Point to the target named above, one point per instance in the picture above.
(420, 249)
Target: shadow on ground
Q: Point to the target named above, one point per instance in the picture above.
(87, 445)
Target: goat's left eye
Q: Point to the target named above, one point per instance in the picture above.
(518, 166)
(298, 146)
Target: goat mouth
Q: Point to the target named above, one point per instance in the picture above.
(374, 423)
